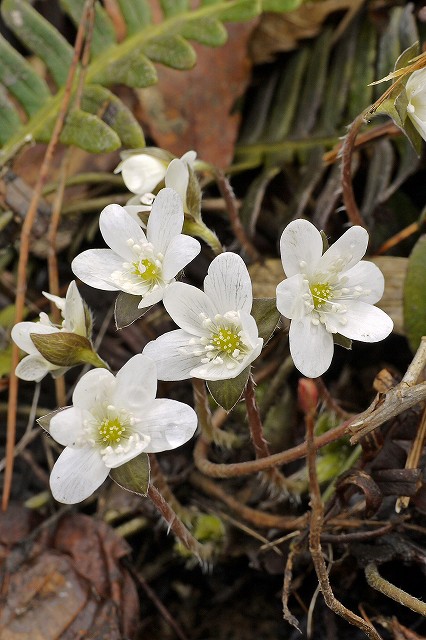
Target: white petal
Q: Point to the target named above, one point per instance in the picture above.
(74, 315)
(185, 304)
(177, 177)
(171, 363)
(95, 388)
(168, 423)
(33, 368)
(117, 228)
(59, 302)
(165, 220)
(289, 296)
(134, 209)
(228, 284)
(419, 122)
(189, 157)
(152, 297)
(300, 242)
(141, 173)
(181, 250)
(67, 426)
(345, 252)
(136, 384)
(94, 267)
(250, 329)
(365, 322)
(21, 335)
(114, 458)
(311, 347)
(368, 276)
(77, 474)
(214, 370)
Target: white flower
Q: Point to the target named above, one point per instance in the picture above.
(416, 94)
(329, 293)
(75, 320)
(142, 173)
(139, 264)
(112, 420)
(218, 338)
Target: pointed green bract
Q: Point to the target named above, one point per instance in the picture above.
(126, 309)
(100, 101)
(172, 51)
(44, 421)
(228, 392)
(415, 295)
(267, 316)
(39, 36)
(134, 476)
(18, 77)
(136, 14)
(103, 35)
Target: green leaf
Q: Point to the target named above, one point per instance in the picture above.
(280, 5)
(126, 310)
(9, 119)
(241, 10)
(136, 14)
(103, 36)
(172, 51)
(133, 476)
(134, 70)
(174, 7)
(102, 102)
(39, 36)
(62, 349)
(207, 31)
(228, 392)
(85, 131)
(415, 295)
(18, 77)
(267, 316)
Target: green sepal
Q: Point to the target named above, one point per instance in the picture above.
(172, 51)
(100, 101)
(133, 476)
(44, 421)
(65, 349)
(415, 295)
(266, 315)
(324, 239)
(228, 392)
(342, 341)
(126, 309)
(193, 196)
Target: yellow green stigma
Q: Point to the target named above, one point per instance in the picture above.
(110, 431)
(146, 270)
(321, 293)
(227, 341)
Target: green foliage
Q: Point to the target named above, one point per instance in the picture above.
(266, 314)
(415, 295)
(129, 62)
(228, 392)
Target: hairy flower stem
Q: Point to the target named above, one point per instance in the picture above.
(273, 476)
(352, 210)
(316, 523)
(209, 431)
(177, 526)
(161, 482)
(376, 581)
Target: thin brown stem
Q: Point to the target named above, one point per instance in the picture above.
(21, 285)
(228, 195)
(352, 210)
(376, 581)
(316, 523)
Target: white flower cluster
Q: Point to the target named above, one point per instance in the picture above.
(114, 419)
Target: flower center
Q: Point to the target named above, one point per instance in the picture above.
(321, 293)
(146, 269)
(110, 431)
(226, 340)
